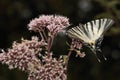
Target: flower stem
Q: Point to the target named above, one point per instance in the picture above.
(50, 42)
(41, 35)
(44, 35)
(68, 56)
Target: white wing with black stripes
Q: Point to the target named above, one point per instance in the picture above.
(91, 31)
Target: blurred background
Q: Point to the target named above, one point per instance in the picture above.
(16, 14)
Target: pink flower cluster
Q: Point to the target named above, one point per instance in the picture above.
(35, 57)
(53, 23)
(52, 69)
(27, 56)
(21, 54)
(76, 45)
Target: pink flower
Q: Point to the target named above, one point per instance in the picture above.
(34, 56)
(76, 45)
(54, 24)
(40, 23)
(52, 69)
(30, 57)
(22, 54)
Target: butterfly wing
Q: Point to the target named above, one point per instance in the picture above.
(78, 32)
(97, 28)
(91, 31)
(104, 25)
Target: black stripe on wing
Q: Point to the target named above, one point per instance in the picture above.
(90, 28)
(108, 24)
(78, 32)
(85, 30)
(104, 25)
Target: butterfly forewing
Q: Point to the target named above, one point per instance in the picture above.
(109, 22)
(78, 33)
(91, 31)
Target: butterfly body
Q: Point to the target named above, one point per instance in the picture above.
(91, 33)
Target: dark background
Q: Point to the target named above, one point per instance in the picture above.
(16, 14)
